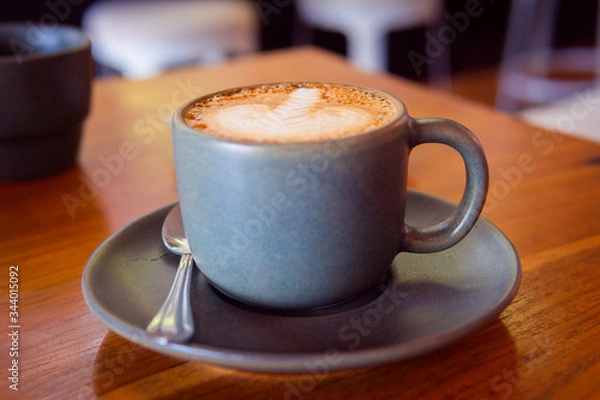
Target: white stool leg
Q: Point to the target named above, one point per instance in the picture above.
(522, 20)
(367, 48)
(520, 17)
(439, 72)
(543, 34)
(598, 44)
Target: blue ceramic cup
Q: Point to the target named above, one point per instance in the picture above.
(303, 224)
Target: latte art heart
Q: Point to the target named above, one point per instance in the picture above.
(297, 116)
(291, 114)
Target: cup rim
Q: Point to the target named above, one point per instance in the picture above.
(178, 121)
(19, 30)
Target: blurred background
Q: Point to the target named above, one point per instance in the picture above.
(522, 56)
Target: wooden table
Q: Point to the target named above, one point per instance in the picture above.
(544, 195)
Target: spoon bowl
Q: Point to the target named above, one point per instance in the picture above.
(173, 234)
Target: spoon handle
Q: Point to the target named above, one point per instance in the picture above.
(174, 320)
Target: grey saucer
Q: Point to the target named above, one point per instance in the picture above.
(426, 301)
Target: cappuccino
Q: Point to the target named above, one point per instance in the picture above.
(291, 112)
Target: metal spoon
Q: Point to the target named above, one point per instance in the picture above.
(174, 321)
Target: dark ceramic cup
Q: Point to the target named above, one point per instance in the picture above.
(291, 226)
(46, 75)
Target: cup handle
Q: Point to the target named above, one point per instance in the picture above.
(454, 228)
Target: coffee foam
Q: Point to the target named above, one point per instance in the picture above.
(283, 113)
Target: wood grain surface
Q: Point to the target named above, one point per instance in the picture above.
(544, 195)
